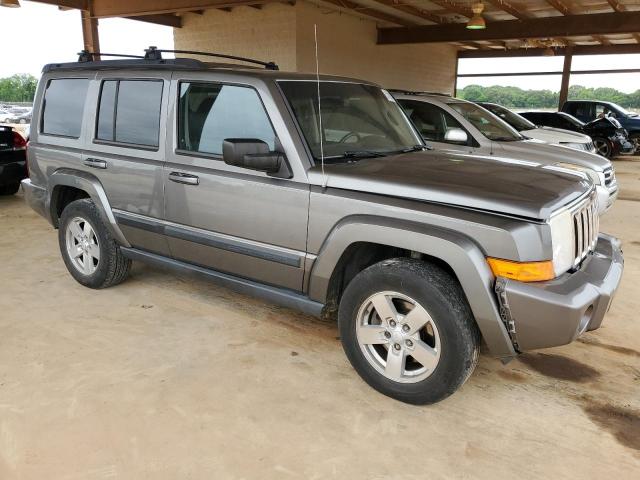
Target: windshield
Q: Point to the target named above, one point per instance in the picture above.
(516, 121)
(489, 125)
(357, 120)
(621, 110)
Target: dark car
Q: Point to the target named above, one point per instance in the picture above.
(22, 117)
(588, 110)
(609, 138)
(13, 165)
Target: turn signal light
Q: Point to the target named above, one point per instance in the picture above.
(522, 271)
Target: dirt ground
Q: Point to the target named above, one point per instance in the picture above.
(165, 377)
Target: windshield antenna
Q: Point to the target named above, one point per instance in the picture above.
(324, 177)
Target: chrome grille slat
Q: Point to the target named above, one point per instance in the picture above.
(585, 228)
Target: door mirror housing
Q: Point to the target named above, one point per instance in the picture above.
(254, 154)
(456, 135)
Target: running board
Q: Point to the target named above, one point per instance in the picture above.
(281, 296)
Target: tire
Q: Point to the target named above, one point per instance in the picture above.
(100, 262)
(10, 189)
(635, 139)
(603, 147)
(449, 340)
(22, 121)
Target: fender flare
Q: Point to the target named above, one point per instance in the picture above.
(460, 252)
(90, 184)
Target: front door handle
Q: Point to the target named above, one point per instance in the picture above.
(95, 163)
(185, 178)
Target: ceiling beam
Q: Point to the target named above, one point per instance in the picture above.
(75, 4)
(411, 10)
(129, 8)
(537, 52)
(160, 19)
(620, 8)
(559, 6)
(509, 8)
(455, 7)
(369, 12)
(565, 26)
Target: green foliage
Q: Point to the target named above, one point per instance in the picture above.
(18, 88)
(518, 98)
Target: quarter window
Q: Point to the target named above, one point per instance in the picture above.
(129, 112)
(63, 106)
(210, 113)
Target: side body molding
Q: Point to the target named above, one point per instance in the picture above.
(90, 184)
(458, 251)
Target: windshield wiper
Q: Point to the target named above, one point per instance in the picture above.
(416, 148)
(357, 154)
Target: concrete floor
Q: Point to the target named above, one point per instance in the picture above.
(165, 377)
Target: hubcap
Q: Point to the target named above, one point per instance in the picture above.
(82, 246)
(398, 337)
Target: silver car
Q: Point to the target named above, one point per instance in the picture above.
(455, 125)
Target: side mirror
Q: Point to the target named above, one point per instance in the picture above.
(456, 135)
(254, 154)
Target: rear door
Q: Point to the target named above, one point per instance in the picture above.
(231, 219)
(128, 128)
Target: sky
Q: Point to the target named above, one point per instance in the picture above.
(64, 40)
(32, 21)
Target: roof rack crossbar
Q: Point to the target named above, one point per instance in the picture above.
(154, 53)
(87, 56)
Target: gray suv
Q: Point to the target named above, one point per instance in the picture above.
(231, 173)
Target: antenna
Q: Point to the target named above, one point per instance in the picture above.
(324, 177)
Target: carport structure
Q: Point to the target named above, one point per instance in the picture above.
(408, 44)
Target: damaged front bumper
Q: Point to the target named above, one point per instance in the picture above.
(548, 314)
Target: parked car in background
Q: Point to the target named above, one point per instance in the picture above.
(23, 117)
(566, 138)
(5, 114)
(609, 138)
(419, 255)
(13, 167)
(454, 125)
(588, 110)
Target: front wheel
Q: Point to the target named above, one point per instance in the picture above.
(408, 330)
(89, 251)
(603, 147)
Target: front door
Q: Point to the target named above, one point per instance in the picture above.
(230, 219)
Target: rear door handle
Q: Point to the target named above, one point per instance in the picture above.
(185, 178)
(95, 163)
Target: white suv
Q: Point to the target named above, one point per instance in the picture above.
(455, 125)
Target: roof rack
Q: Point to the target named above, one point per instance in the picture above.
(412, 92)
(87, 56)
(154, 53)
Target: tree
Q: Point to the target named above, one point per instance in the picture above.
(18, 88)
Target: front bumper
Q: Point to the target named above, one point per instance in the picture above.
(548, 314)
(625, 147)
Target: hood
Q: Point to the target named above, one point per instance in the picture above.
(542, 153)
(556, 135)
(479, 182)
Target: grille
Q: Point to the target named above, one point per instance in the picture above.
(589, 147)
(609, 176)
(585, 229)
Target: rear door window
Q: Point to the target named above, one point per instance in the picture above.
(129, 112)
(63, 107)
(208, 113)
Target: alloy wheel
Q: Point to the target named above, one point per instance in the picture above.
(602, 147)
(398, 337)
(82, 244)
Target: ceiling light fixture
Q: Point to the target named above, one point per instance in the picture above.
(10, 3)
(477, 22)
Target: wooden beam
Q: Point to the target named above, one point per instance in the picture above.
(566, 77)
(90, 37)
(620, 8)
(129, 8)
(509, 8)
(538, 52)
(369, 12)
(160, 19)
(559, 6)
(73, 4)
(455, 7)
(569, 25)
(411, 10)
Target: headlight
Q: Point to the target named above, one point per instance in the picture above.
(561, 226)
(576, 146)
(596, 177)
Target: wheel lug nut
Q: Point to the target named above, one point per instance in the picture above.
(396, 346)
(409, 343)
(387, 334)
(392, 323)
(405, 328)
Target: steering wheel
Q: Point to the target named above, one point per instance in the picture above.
(349, 135)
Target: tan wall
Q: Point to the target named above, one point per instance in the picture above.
(347, 45)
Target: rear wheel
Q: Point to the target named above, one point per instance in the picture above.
(407, 329)
(10, 189)
(89, 251)
(603, 147)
